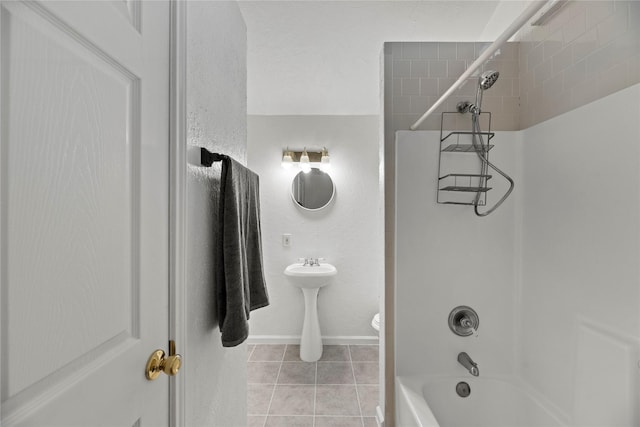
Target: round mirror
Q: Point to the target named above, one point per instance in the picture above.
(313, 190)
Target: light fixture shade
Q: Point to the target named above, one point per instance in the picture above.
(287, 160)
(325, 161)
(305, 164)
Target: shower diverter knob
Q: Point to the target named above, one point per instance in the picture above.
(464, 321)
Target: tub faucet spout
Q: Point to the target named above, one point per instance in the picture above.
(471, 366)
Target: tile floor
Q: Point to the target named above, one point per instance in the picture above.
(340, 390)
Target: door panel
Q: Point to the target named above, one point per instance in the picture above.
(84, 216)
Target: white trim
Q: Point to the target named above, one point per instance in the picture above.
(326, 340)
(177, 203)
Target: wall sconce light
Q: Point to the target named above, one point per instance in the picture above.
(305, 164)
(287, 159)
(307, 159)
(325, 162)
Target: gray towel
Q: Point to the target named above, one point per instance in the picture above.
(240, 279)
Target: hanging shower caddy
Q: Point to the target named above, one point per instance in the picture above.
(459, 180)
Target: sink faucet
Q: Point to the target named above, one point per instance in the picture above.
(466, 361)
(311, 262)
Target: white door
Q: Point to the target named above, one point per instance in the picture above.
(84, 110)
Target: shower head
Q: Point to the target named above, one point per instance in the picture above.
(487, 79)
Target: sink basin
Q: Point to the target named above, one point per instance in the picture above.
(306, 276)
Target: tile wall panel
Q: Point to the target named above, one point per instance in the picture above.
(588, 50)
(418, 73)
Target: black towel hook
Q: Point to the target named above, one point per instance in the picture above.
(200, 156)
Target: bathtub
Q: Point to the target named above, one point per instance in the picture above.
(433, 402)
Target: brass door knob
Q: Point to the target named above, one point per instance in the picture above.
(158, 363)
(171, 365)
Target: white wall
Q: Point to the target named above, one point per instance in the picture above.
(446, 257)
(580, 329)
(321, 57)
(348, 233)
(216, 377)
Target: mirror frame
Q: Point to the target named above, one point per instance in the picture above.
(333, 193)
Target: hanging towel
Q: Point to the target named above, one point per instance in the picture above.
(240, 280)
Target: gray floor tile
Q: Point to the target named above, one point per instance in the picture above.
(369, 422)
(258, 398)
(366, 372)
(256, 421)
(335, 353)
(292, 353)
(364, 353)
(297, 373)
(337, 400)
(335, 373)
(289, 421)
(338, 422)
(369, 398)
(292, 400)
(267, 353)
(262, 372)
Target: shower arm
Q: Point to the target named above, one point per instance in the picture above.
(533, 8)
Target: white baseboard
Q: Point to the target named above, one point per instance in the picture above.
(327, 340)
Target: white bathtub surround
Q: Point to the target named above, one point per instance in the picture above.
(447, 257)
(552, 275)
(493, 402)
(580, 248)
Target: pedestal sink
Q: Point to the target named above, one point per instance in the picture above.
(310, 278)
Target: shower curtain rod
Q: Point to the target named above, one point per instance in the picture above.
(533, 8)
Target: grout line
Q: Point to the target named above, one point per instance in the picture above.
(355, 383)
(273, 393)
(315, 394)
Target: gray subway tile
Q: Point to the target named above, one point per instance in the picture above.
(447, 50)
(437, 69)
(419, 68)
(410, 87)
(401, 68)
(466, 51)
(410, 50)
(429, 50)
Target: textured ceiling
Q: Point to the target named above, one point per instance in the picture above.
(323, 57)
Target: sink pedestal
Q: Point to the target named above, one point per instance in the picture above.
(310, 278)
(311, 341)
